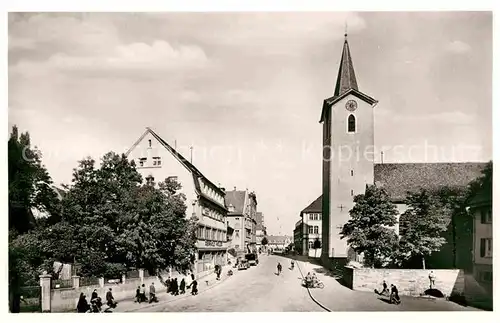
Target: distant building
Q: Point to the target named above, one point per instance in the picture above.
(311, 228)
(156, 161)
(278, 242)
(261, 230)
(242, 215)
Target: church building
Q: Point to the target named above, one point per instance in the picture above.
(348, 133)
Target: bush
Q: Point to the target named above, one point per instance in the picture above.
(114, 270)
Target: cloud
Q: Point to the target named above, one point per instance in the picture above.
(454, 117)
(458, 47)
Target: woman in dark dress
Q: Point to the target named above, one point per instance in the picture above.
(83, 305)
(183, 286)
(194, 287)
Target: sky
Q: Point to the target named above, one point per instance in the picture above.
(245, 90)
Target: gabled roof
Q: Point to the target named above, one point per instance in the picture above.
(398, 179)
(194, 171)
(237, 200)
(315, 207)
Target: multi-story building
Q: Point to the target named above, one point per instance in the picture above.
(311, 228)
(481, 209)
(242, 206)
(156, 161)
(298, 233)
(260, 231)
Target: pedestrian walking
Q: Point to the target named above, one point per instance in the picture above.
(183, 286)
(175, 287)
(138, 295)
(279, 268)
(194, 287)
(152, 293)
(143, 293)
(432, 280)
(110, 300)
(83, 305)
(169, 284)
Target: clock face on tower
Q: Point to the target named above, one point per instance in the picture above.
(351, 105)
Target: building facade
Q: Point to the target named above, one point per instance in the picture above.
(260, 231)
(156, 161)
(298, 233)
(311, 228)
(481, 209)
(242, 214)
(348, 162)
(278, 242)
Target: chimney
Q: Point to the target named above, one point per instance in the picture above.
(222, 189)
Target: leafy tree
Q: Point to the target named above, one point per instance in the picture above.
(422, 224)
(117, 220)
(29, 183)
(369, 229)
(316, 246)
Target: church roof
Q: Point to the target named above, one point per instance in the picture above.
(346, 79)
(315, 207)
(398, 179)
(236, 199)
(346, 82)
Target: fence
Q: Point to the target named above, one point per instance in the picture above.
(89, 281)
(60, 283)
(31, 299)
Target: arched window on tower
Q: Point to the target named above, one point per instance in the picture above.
(351, 123)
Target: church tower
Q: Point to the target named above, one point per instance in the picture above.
(348, 154)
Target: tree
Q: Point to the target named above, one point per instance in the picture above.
(369, 230)
(29, 183)
(117, 220)
(316, 246)
(422, 224)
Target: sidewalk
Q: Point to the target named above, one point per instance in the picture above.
(205, 283)
(337, 297)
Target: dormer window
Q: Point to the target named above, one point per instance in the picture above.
(156, 161)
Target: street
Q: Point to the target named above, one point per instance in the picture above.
(257, 289)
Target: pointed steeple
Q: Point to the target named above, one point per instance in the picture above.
(346, 79)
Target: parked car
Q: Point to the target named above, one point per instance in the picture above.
(243, 265)
(252, 259)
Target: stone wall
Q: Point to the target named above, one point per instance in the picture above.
(412, 282)
(66, 299)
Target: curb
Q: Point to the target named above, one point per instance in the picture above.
(309, 292)
(178, 298)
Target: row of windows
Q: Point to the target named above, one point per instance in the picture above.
(313, 229)
(213, 214)
(143, 161)
(486, 248)
(207, 233)
(211, 193)
(311, 244)
(314, 216)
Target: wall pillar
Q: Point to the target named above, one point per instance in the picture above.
(141, 275)
(101, 282)
(76, 281)
(124, 277)
(45, 292)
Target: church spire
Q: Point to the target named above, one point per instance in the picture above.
(346, 79)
